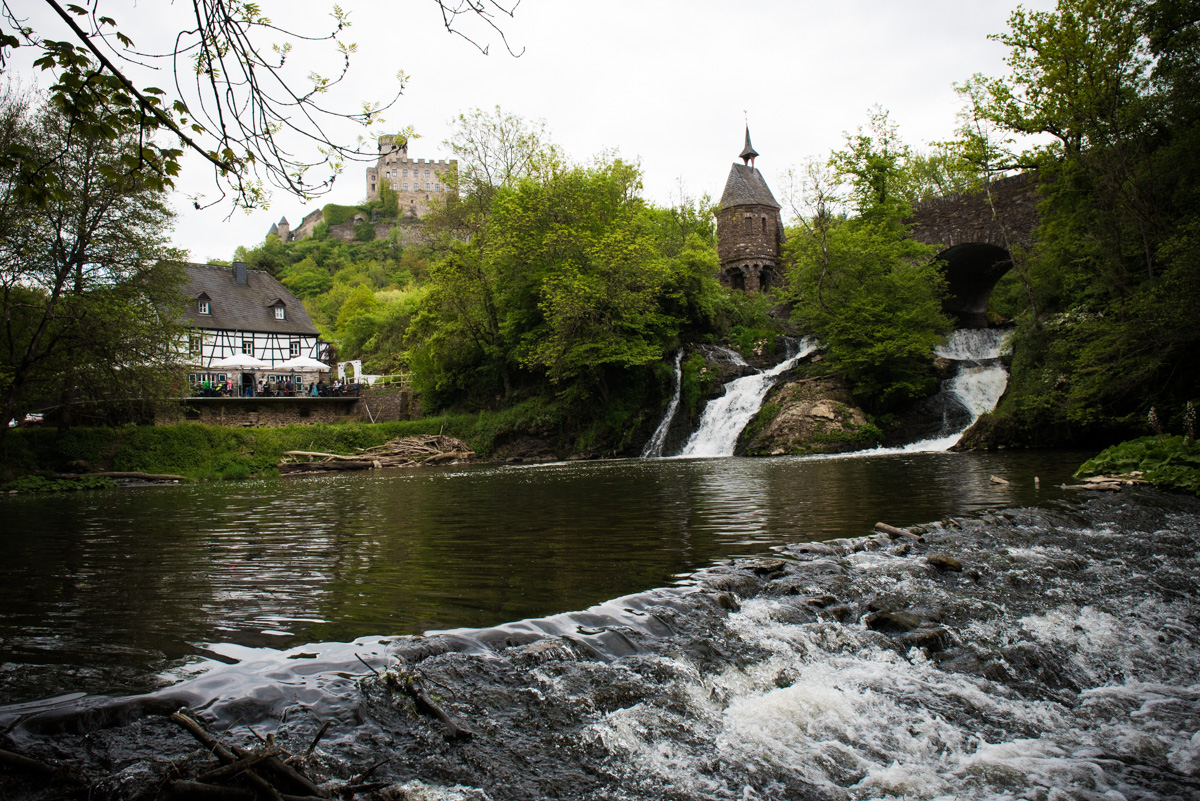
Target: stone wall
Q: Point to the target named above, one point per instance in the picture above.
(373, 405)
(968, 217)
(748, 242)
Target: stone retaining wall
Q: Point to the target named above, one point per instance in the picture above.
(371, 406)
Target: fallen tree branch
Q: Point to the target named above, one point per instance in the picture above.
(123, 474)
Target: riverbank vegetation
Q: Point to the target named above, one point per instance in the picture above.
(203, 452)
(1170, 462)
(1109, 315)
(549, 291)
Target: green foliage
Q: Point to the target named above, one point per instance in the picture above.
(873, 298)
(573, 280)
(1112, 322)
(364, 230)
(767, 413)
(696, 382)
(89, 287)
(1171, 462)
(334, 214)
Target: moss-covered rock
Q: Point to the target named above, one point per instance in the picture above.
(808, 415)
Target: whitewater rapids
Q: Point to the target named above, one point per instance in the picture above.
(1060, 662)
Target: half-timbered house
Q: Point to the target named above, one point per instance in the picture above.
(235, 310)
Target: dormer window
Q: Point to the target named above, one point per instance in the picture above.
(203, 306)
(279, 313)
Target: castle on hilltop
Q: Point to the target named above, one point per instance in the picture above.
(415, 181)
(418, 183)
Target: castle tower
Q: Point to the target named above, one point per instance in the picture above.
(284, 229)
(416, 182)
(749, 228)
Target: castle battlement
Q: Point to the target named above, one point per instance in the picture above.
(416, 182)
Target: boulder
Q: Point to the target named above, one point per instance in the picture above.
(808, 415)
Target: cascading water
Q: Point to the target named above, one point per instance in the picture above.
(654, 447)
(726, 416)
(977, 386)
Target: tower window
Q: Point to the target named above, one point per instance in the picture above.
(749, 225)
(764, 222)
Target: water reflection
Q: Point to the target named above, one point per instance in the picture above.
(101, 591)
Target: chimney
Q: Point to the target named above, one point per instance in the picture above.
(239, 272)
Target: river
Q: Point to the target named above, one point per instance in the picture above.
(108, 592)
(644, 629)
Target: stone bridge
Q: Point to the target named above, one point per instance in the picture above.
(977, 237)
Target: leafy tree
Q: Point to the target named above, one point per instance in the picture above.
(244, 95)
(1113, 293)
(861, 285)
(88, 283)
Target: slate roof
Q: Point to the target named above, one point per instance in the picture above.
(243, 307)
(748, 152)
(746, 187)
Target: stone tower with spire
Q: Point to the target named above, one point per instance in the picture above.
(749, 228)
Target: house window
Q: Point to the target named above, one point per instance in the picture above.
(248, 347)
(405, 173)
(202, 307)
(294, 348)
(427, 173)
(279, 313)
(195, 343)
(406, 187)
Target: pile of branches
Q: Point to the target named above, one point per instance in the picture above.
(429, 449)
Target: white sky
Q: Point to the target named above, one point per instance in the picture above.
(668, 83)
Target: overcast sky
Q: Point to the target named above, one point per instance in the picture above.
(667, 83)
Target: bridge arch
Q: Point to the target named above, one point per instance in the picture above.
(972, 270)
(976, 230)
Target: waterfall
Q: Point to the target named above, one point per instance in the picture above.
(655, 446)
(726, 416)
(978, 384)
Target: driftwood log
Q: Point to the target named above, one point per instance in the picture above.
(402, 452)
(123, 474)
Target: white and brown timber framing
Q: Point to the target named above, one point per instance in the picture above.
(243, 315)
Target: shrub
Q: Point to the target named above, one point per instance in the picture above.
(1171, 462)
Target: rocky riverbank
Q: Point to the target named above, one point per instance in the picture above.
(1033, 653)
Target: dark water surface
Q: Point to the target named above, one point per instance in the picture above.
(105, 592)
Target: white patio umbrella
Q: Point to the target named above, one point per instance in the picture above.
(302, 363)
(240, 361)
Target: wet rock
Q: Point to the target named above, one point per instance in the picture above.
(892, 621)
(812, 548)
(932, 640)
(842, 613)
(822, 601)
(550, 649)
(727, 600)
(792, 614)
(767, 568)
(944, 563)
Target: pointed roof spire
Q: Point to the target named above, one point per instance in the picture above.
(748, 152)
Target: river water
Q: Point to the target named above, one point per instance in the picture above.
(593, 626)
(105, 591)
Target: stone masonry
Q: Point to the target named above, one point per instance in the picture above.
(415, 181)
(749, 228)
